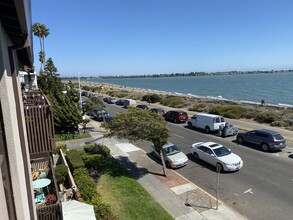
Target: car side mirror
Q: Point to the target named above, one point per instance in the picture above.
(212, 155)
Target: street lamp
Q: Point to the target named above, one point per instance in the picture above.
(80, 100)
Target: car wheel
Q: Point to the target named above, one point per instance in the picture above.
(196, 156)
(240, 140)
(207, 129)
(189, 124)
(175, 120)
(168, 164)
(265, 147)
(219, 167)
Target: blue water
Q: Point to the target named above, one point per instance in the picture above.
(275, 88)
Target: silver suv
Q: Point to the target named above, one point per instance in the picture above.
(266, 139)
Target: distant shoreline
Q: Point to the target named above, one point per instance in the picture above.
(184, 74)
(152, 91)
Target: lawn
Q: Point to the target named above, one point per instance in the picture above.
(126, 197)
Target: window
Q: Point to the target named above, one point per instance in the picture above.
(217, 120)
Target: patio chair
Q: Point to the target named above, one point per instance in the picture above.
(40, 198)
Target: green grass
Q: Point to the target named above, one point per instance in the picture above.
(65, 137)
(128, 200)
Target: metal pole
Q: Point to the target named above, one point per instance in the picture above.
(218, 185)
(80, 100)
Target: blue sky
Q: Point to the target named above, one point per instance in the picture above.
(128, 37)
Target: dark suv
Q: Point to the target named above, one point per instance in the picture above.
(176, 116)
(266, 139)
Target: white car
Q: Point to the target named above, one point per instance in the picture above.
(216, 155)
(173, 156)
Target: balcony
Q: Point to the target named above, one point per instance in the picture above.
(51, 207)
(39, 124)
(40, 134)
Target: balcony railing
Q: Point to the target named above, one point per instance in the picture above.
(48, 211)
(39, 124)
(40, 133)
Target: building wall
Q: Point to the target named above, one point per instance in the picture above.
(22, 203)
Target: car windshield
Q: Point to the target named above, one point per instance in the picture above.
(170, 150)
(221, 151)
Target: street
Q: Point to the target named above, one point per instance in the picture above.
(262, 189)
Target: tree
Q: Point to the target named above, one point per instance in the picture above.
(41, 31)
(50, 68)
(66, 113)
(138, 124)
(72, 92)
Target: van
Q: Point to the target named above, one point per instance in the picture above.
(207, 122)
(129, 102)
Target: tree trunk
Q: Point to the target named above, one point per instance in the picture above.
(163, 162)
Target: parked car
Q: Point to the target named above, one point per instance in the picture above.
(99, 114)
(129, 102)
(176, 116)
(206, 122)
(112, 100)
(108, 118)
(105, 99)
(266, 139)
(84, 93)
(120, 102)
(173, 156)
(216, 155)
(145, 107)
(158, 110)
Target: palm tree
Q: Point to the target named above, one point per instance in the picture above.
(41, 31)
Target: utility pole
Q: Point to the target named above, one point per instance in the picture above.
(80, 100)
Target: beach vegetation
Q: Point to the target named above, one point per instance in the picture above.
(228, 111)
(152, 98)
(172, 101)
(118, 93)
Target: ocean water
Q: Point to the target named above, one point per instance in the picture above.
(275, 88)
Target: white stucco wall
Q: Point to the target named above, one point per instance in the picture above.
(12, 132)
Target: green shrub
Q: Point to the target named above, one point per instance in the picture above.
(198, 108)
(117, 93)
(97, 149)
(61, 173)
(85, 184)
(279, 124)
(172, 101)
(74, 160)
(87, 88)
(102, 211)
(152, 98)
(266, 117)
(63, 147)
(65, 137)
(93, 161)
(228, 111)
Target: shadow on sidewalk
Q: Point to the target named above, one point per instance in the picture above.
(135, 171)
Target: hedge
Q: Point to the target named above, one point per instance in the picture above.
(61, 173)
(85, 184)
(74, 160)
(97, 149)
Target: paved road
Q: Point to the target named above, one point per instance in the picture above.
(262, 189)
